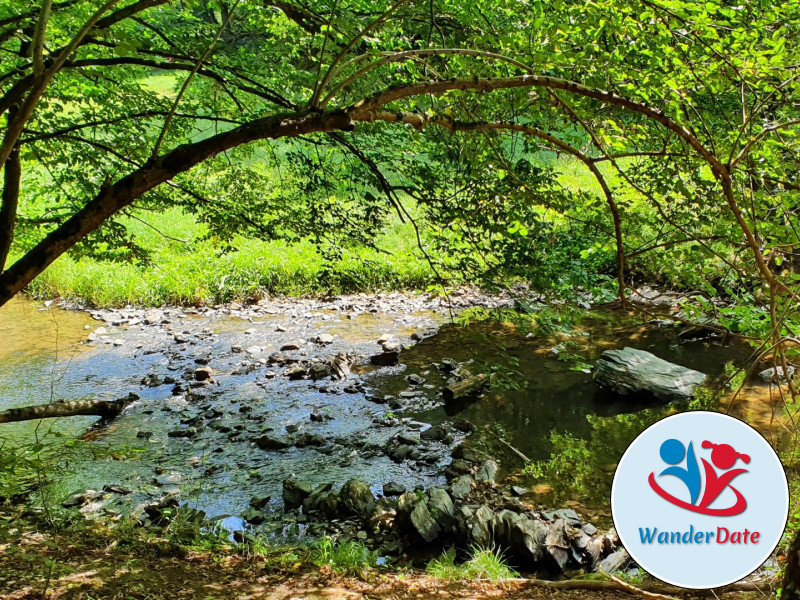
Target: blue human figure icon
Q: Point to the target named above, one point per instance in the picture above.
(672, 452)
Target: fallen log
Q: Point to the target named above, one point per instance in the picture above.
(471, 386)
(99, 408)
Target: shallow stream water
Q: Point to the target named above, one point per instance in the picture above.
(541, 385)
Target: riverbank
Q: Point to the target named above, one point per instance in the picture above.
(93, 563)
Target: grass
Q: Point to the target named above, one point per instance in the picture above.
(188, 268)
(483, 563)
(344, 557)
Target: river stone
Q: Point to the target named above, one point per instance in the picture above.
(330, 505)
(183, 433)
(424, 523)
(294, 493)
(504, 521)
(259, 502)
(441, 507)
(310, 439)
(390, 488)
(323, 339)
(434, 434)
(203, 373)
(480, 526)
(401, 453)
(461, 487)
(487, 472)
(312, 501)
(631, 371)
(80, 498)
(411, 439)
(448, 365)
(356, 496)
(614, 562)
(385, 359)
(468, 453)
(319, 417)
(152, 380)
(293, 345)
(253, 516)
(528, 538)
(269, 442)
(558, 541)
(295, 373)
(458, 467)
(319, 371)
(773, 375)
(570, 516)
(392, 346)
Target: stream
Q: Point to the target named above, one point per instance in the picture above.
(199, 438)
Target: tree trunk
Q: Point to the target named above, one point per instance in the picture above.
(791, 573)
(100, 408)
(8, 206)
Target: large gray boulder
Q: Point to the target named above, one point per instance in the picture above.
(630, 371)
(424, 522)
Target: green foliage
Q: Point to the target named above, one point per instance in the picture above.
(190, 267)
(345, 557)
(584, 468)
(483, 563)
(706, 398)
(491, 205)
(27, 469)
(735, 375)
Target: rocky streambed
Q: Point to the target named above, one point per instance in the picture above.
(299, 418)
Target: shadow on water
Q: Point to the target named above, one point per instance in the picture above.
(542, 383)
(545, 405)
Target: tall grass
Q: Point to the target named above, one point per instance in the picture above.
(483, 563)
(187, 268)
(345, 557)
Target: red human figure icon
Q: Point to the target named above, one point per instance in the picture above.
(724, 457)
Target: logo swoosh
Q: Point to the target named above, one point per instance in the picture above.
(737, 508)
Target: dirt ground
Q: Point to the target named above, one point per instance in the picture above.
(38, 566)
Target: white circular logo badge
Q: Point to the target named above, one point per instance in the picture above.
(700, 500)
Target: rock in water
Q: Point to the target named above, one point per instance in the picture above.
(472, 386)
(385, 359)
(630, 371)
(356, 496)
(203, 373)
(773, 375)
(294, 493)
(269, 442)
